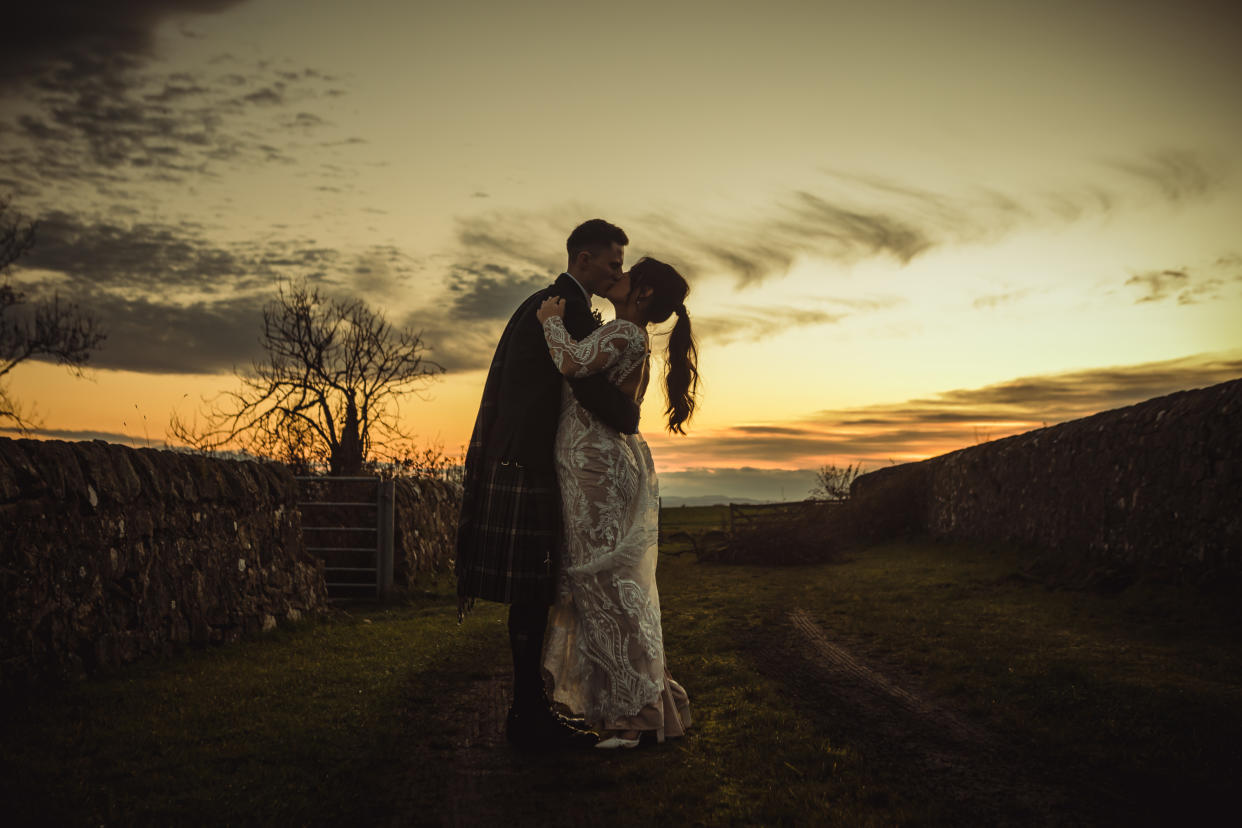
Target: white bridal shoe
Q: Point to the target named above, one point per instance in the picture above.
(617, 742)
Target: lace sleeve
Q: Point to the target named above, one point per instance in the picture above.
(596, 352)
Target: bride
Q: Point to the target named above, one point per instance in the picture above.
(604, 652)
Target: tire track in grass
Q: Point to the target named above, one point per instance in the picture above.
(982, 777)
(837, 659)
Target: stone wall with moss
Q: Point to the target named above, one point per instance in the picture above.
(109, 553)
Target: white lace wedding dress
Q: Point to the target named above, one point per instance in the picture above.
(604, 651)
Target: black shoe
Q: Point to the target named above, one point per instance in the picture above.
(540, 730)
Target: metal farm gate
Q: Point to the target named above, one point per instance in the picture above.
(348, 522)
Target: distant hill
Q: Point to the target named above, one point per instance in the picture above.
(705, 500)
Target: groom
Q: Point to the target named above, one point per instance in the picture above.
(509, 535)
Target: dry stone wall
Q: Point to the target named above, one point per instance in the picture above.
(425, 537)
(1151, 488)
(109, 553)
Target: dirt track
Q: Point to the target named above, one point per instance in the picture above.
(964, 763)
(870, 706)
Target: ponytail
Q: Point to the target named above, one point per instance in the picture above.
(681, 377)
(666, 294)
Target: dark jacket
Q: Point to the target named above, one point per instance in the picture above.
(528, 398)
(509, 531)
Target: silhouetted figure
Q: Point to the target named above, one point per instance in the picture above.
(509, 535)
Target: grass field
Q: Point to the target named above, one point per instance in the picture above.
(911, 683)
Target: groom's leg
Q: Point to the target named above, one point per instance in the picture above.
(527, 625)
(530, 724)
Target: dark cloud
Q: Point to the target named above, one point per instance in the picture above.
(382, 274)
(491, 292)
(731, 447)
(463, 333)
(76, 436)
(344, 143)
(864, 217)
(458, 345)
(173, 301)
(780, 430)
(854, 234)
(173, 92)
(158, 259)
(515, 240)
(878, 434)
(1059, 397)
(92, 113)
(114, 133)
(267, 96)
(41, 36)
(506, 257)
(161, 338)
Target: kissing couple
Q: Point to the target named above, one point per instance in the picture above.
(560, 505)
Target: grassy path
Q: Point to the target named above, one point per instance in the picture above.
(913, 684)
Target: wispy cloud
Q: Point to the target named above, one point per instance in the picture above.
(923, 427)
(174, 301)
(504, 255)
(995, 300)
(117, 134)
(846, 219)
(85, 111)
(463, 330)
(1176, 174)
(1157, 284)
(1188, 285)
(753, 324)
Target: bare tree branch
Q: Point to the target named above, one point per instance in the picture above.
(833, 482)
(39, 330)
(327, 390)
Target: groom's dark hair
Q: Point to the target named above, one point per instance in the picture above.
(593, 235)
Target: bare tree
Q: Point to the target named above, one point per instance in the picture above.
(833, 482)
(17, 235)
(328, 390)
(38, 330)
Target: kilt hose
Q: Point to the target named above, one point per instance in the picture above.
(509, 534)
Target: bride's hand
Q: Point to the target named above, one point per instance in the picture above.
(552, 306)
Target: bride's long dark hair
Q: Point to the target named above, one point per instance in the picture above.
(668, 296)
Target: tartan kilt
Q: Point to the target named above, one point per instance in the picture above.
(509, 534)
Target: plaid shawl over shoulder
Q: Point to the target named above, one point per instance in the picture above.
(509, 531)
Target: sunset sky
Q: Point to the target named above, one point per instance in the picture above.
(909, 227)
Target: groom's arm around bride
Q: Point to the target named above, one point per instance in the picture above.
(529, 367)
